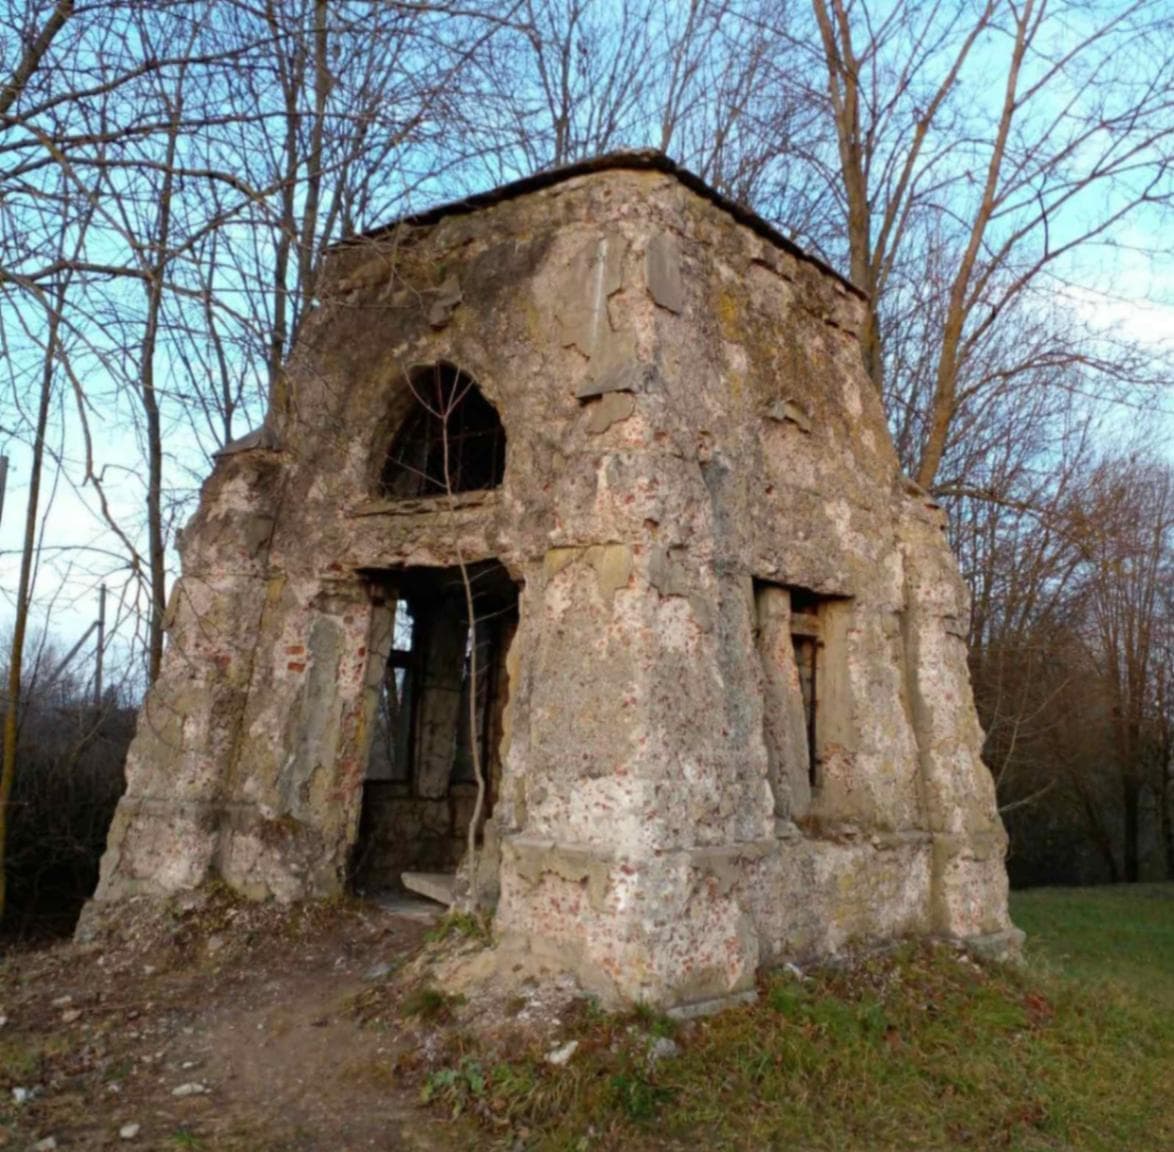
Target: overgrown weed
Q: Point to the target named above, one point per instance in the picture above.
(456, 1086)
(464, 925)
(430, 1005)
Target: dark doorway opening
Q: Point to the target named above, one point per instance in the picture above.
(441, 700)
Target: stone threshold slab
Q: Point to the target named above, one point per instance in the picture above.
(438, 886)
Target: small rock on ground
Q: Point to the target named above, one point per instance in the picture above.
(661, 1048)
(191, 1089)
(561, 1056)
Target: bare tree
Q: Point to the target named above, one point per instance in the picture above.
(344, 112)
(1126, 531)
(730, 106)
(700, 81)
(221, 149)
(1013, 189)
(49, 332)
(567, 81)
(70, 749)
(1164, 723)
(1070, 650)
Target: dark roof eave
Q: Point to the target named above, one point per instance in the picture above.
(647, 161)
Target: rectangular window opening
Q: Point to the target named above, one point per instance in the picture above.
(799, 636)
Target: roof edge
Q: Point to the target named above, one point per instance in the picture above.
(647, 160)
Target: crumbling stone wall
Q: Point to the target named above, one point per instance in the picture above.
(692, 445)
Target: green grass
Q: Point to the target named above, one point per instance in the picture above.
(184, 1138)
(1121, 935)
(916, 1050)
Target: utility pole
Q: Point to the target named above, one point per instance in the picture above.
(3, 482)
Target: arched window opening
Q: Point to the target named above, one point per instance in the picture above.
(451, 441)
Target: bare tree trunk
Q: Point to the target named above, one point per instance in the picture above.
(308, 262)
(13, 698)
(1100, 835)
(290, 71)
(944, 406)
(1131, 849)
(474, 744)
(843, 76)
(442, 405)
(471, 852)
(1165, 754)
(156, 542)
(1166, 802)
(34, 53)
(877, 231)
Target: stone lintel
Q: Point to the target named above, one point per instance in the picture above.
(429, 506)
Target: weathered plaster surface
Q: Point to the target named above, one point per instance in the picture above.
(687, 421)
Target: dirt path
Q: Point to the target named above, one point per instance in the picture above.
(233, 1028)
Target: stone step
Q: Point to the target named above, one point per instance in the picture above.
(438, 886)
(408, 906)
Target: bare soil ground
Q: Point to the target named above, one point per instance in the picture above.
(217, 1026)
(220, 1025)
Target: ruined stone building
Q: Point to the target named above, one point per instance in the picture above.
(721, 697)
